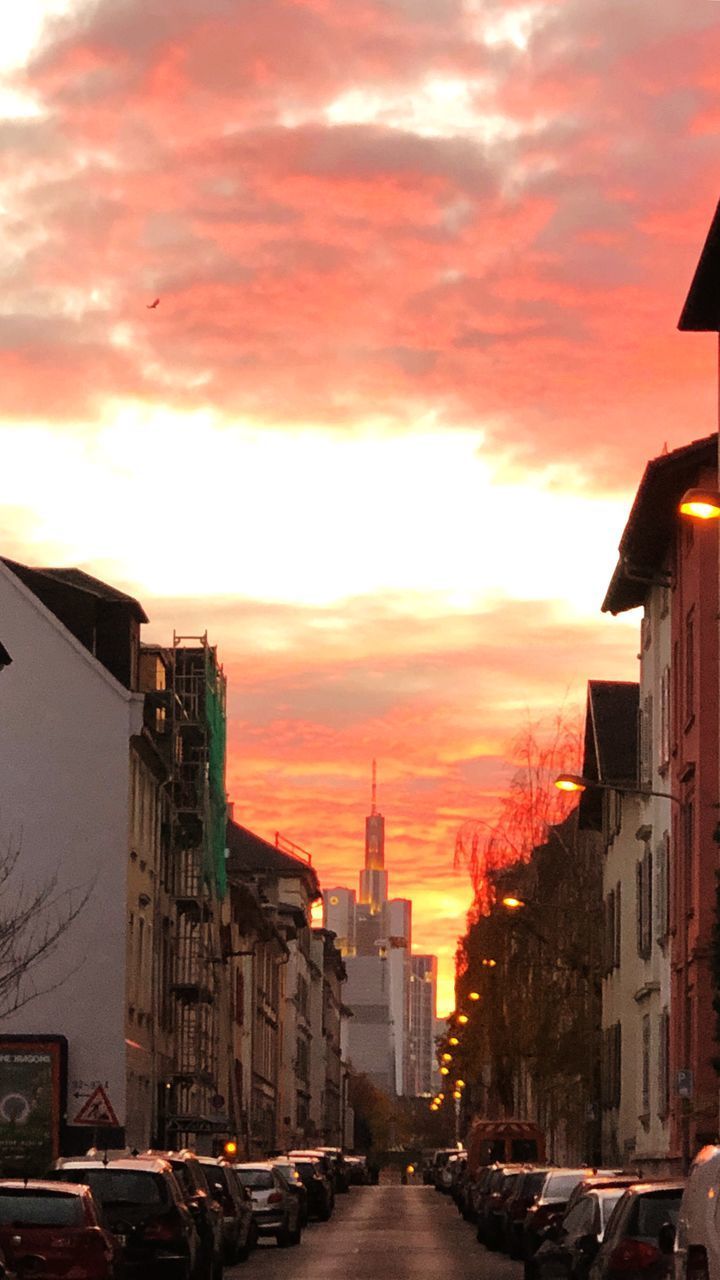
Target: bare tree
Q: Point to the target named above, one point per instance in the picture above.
(531, 806)
(32, 922)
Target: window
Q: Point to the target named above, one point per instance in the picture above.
(646, 739)
(662, 897)
(664, 738)
(690, 665)
(33, 1208)
(643, 904)
(663, 1063)
(646, 1064)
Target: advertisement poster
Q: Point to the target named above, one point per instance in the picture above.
(32, 1074)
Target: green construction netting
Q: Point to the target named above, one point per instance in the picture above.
(216, 832)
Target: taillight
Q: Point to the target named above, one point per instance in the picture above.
(275, 1198)
(159, 1229)
(696, 1265)
(633, 1255)
(96, 1239)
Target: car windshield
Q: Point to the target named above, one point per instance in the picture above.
(40, 1209)
(258, 1179)
(120, 1186)
(652, 1211)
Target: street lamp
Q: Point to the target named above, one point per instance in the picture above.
(575, 782)
(463, 1019)
(700, 504)
(453, 1040)
(474, 995)
(513, 903)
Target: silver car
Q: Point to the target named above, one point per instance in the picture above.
(276, 1209)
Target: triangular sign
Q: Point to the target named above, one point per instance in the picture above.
(97, 1109)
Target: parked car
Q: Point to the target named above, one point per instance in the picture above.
(239, 1227)
(440, 1159)
(569, 1251)
(277, 1211)
(448, 1172)
(295, 1186)
(640, 1235)
(55, 1230)
(498, 1205)
(483, 1199)
(697, 1246)
(204, 1207)
(358, 1171)
(600, 1178)
(341, 1173)
(321, 1197)
(524, 1194)
(144, 1208)
(548, 1208)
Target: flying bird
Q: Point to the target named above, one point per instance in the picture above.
(151, 305)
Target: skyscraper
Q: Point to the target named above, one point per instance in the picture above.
(374, 878)
(375, 936)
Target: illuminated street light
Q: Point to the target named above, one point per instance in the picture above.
(700, 504)
(463, 1019)
(571, 782)
(447, 1057)
(459, 1084)
(512, 902)
(574, 782)
(457, 1095)
(489, 964)
(444, 1071)
(474, 995)
(453, 1040)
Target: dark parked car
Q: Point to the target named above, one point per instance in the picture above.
(489, 1200)
(640, 1235)
(341, 1173)
(321, 1197)
(144, 1208)
(239, 1229)
(204, 1207)
(547, 1209)
(569, 1251)
(358, 1171)
(496, 1208)
(524, 1194)
(53, 1230)
(295, 1186)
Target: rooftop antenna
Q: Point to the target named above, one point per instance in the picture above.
(373, 808)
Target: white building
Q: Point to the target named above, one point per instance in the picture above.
(65, 727)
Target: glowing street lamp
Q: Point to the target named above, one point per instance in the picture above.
(453, 1040)
(444, 1071)
(457, 1095)
(489, 964)
(700, 504)
(571, 782)
(513, 903)
(447, 1057)
(459, 1084)
(463, 1019)
(474, 995)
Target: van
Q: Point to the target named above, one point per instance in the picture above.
(697, 1240)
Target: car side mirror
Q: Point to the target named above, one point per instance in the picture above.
(666, 1238)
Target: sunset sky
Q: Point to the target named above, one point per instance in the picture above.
(420, 264)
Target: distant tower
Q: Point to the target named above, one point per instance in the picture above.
(374, 878)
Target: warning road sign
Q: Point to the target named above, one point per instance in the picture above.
(97, 1109)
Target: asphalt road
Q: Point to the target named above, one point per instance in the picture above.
(383, 1233)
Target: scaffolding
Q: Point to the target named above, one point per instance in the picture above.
(196, 882)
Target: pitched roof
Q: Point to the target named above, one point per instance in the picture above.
(249, 852)
(652, 522)
(610, 753)
(701, 313)
(80, 581)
